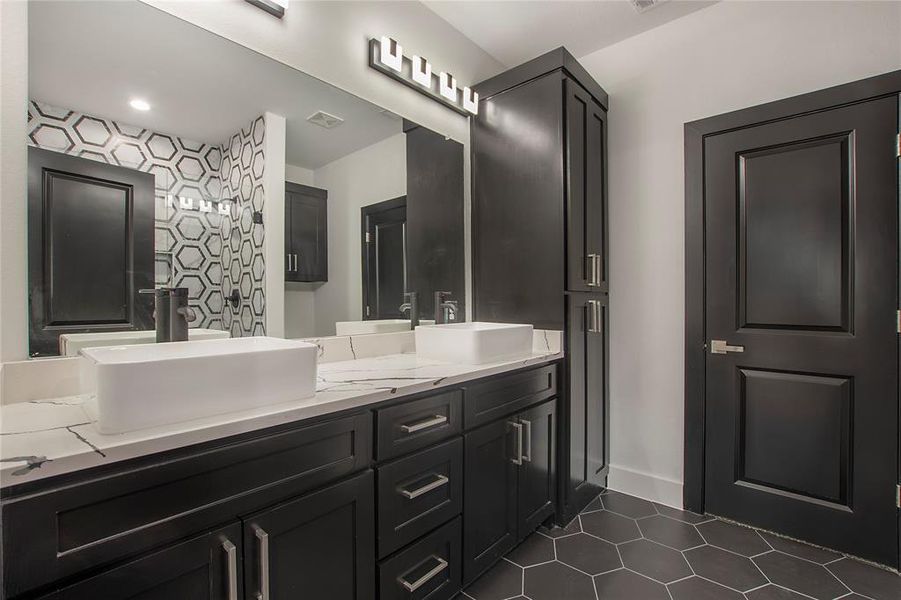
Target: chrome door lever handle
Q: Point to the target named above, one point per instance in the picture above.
(721, 347)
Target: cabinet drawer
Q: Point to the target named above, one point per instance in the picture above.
(59, 532)
(412, 425)
(419, 492)
(496, 398)
(428, 570)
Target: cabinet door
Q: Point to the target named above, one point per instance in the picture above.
(584, 440)
(586, 203)
(537, 474)
(317, 546)
(489, 496)
(205, 567)
(306, 211)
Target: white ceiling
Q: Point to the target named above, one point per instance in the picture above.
(94, 56)
(514, 31)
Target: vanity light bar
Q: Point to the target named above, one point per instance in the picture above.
(386, 55)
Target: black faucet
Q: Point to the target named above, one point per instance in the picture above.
(171, 313)
(445, 310)
(412, 305)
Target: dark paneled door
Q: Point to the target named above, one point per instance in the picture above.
(384, 258)
(801, 272)
(90, 248)
(321, 545)
(306, 233)
(538, 472)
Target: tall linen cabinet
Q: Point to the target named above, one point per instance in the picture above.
(539, 218)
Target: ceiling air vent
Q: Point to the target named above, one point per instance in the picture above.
(641, 6)
(323, 119)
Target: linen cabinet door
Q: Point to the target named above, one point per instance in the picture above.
(207, 567)
(490, 466)
(537, 474)
(321, 545)
(586, 199)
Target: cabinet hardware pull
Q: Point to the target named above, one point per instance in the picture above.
(593, 267)
(426, 424)
(295, 263)
(231, 558)
(263, 540)
(721, 347)
(432, 485)
(528, 435)
(594, 316)
(288, 257)
(518, 428)
(412, 587)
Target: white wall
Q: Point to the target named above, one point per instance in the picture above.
(299, 175)
(300, 304)
(370, 175)
(274, 223)
(729, 56)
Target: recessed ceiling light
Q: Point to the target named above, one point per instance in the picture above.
(139, 104)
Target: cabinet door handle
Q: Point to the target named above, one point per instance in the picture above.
(412, 587)
(518, 428)
(426, 424)
(263, 541)
(231, 562)
(527, 456)
(593, 267)
(295, 263)
(432, 485)
(594, 316)
(288, 258)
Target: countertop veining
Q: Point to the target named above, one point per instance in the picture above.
(43, 438)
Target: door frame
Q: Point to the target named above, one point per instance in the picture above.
(880, 86)
(365, 211)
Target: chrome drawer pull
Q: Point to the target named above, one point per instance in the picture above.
(593, 266)
(432, 485)
(518, 428)
(428, 423)
(527, 456)
(231, 557)
(263, 540)
(412, 587)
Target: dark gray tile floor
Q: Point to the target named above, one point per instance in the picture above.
(625, 548)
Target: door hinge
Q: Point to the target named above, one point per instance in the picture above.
(898, 495)
(898, 146)
(898, 321)
(366, 237)
(367, 311)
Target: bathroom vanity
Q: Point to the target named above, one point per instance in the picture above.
(403, 477)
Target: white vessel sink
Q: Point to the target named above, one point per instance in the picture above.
(374, 326)
(154, 384)
(474, 343)
(71, 343)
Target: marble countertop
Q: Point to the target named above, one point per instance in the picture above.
(47, 437)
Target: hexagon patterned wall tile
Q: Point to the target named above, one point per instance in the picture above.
(189, 245)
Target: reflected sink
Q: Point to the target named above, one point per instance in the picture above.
(71, 343)
(374, 326)
(474, 343)
(154, 384)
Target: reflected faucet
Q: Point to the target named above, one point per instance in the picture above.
(411, 305)
(445, 310)
(171, 313)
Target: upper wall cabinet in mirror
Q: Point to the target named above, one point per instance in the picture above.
(164, 156)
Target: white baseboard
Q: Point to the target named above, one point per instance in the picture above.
(645, 485)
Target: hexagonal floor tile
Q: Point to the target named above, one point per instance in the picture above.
(800, 549)
(670, 532)
(695, 588)
(681, 515)
(556, 581)
(588, 554)
(800, 575)
(868, 580)
(726, 568)
(774, 592)
(501, 581)
(628, 506)
(626, 585)
(555, 532)
(534, 550)
(609, 526)
(736, 538)
(655, 561)
(593, 506)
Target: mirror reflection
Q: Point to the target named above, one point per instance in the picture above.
(163, 177)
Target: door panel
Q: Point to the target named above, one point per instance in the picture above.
(586, 140)
(489, 496)
(538, 473)
(319, 546)
(306, 233)
(199, 568)
(801, 270)
(385, 259)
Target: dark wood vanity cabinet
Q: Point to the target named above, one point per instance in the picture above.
(539, 214)
(306, 233)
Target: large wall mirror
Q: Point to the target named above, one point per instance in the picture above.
(155, 149)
